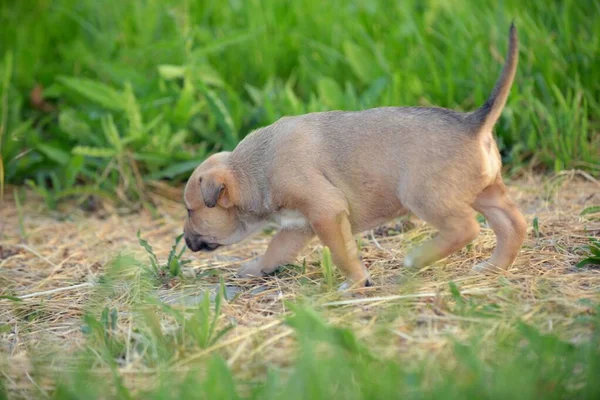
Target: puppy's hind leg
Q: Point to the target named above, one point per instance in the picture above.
(456, 229)
(507, 223)
(283, 249)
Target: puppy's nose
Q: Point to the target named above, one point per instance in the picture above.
(195, 243)
(192, 244)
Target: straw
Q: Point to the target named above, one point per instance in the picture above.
(52, 270)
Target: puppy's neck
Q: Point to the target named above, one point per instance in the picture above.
(252, 190)
(250, 163)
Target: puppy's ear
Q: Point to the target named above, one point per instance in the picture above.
(214, 188)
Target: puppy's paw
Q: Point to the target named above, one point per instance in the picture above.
(409, 261)
(414, 260)
(485, 267)
(252, 268)
(354, 287)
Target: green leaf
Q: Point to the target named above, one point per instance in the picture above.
(73, 168)
(104, 318)
(222, 115)
(99, 152)
(590, 210)
(255, 94)
(8, 66)
(369, 98)
(455, 292)
(111, 133)
(293, 100)
(173, 262)
(149, 250)
(96, 92)
(1, 178)
(184, 108)
(70, 123)
(361, 62)
(208, 75)
(221, 44)
(170, 72)
(219, 382)
(327, 266)
(176, 169)
(536, 227)
(12, 298)
(221, 333)
(79, 190)
(54, 153)
(330, 93)
(588, 261)
(132, 110)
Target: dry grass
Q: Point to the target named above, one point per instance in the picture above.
(55, 267)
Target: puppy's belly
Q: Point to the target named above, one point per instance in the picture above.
(373, 221)
(290, 220)
(294, 220)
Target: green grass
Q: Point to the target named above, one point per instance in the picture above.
(144, 90)
(542, 366)
(141, 90)
(327, 268)
(136, 346)
(516, 361)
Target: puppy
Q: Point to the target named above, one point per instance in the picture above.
(333, 174)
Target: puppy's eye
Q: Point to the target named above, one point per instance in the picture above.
(189, 212)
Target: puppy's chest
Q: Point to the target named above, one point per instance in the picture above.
(290, 219)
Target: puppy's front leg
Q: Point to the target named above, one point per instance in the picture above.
(283, 249)
(335, 232)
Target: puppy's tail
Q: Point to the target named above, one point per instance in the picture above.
(486, 116)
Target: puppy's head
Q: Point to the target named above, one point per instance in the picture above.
(210, 197)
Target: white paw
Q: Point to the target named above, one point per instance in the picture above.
(415, 260)
(347, 285)
(344, 286)
(409, 261)
(485, 266)
(251, 268)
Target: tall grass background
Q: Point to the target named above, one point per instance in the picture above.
(100, 98)
(135, 91)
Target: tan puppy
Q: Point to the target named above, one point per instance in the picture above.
(333, 174)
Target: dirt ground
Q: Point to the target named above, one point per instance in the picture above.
(52, 260)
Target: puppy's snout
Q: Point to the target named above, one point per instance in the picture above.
(192, 244)
(195, 243)
(189, 243)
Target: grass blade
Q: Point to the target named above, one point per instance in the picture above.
(96, 92)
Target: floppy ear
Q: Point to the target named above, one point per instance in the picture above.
(214, 190)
